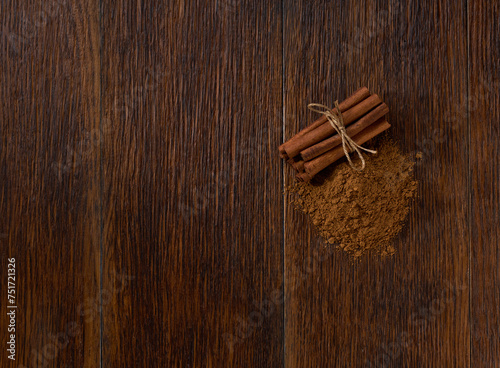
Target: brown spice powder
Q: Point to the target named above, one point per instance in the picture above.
(361, 211)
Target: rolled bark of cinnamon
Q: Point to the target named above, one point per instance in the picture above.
(326, 145)
(319, 163)
(326, 130)
(295, 164)
(358, 96)
(300, 166)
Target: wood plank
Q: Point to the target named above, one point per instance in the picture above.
(411, 309)
(484, 108)
(49, 180)
(192, 183)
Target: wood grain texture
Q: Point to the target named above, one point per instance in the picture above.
(140, 139)
(192, 185)
(484, 111)
(49, 180)
(412, 309)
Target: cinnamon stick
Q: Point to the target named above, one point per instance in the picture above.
(326, 145)
(300, 166)
(358, 96)
(295, 164)
(319, 163)
(326, 130)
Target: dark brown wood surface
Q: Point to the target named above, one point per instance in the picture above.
(484, 111)
(397, 311)
(192, 198)
(142, 192)
(50, 194)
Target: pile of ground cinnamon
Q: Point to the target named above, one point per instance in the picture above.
(361, 211)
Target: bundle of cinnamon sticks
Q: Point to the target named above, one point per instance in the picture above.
(318, 146)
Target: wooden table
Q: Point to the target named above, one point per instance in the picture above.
(142, 192)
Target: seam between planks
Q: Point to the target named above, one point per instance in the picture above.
(101, 187)
(469, 184)
(283, 336)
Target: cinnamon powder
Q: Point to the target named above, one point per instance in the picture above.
(361, 211)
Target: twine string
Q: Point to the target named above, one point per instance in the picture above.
(337, 122)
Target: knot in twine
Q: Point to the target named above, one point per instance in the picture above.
(337, 122)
